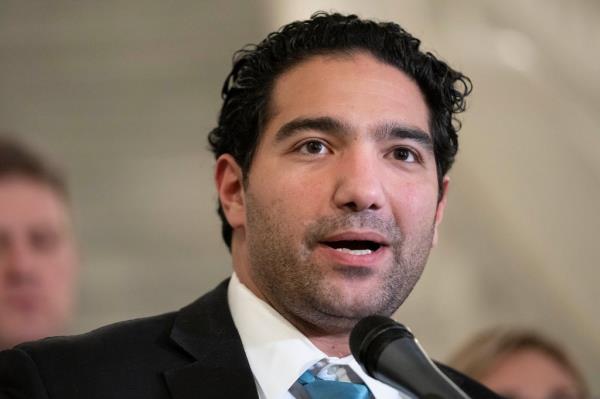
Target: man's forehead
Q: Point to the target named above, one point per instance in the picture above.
(20, 180)
(316, 87)
(27, 198)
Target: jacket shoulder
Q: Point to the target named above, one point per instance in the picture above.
(98, 364)
(100, 345)
(19, 377)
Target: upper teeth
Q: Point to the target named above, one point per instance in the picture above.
(355, 251)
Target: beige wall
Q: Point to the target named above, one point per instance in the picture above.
(125, 92)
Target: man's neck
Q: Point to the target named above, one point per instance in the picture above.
(334, 345)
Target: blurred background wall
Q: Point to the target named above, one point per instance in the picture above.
(124, 93)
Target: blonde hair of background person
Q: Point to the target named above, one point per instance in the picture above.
(520, 363)
(38, 260)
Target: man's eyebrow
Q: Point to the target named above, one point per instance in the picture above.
(325, 124)
(393, 130)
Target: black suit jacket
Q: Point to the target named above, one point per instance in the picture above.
(194, 353)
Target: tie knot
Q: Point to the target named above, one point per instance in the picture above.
(325, 380)
(327, 371)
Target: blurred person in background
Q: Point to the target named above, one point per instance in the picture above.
(520, 364)
(38, 261)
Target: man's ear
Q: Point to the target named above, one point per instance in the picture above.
(230, 187)
(441, 206)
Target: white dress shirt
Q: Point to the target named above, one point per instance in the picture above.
(277, 352)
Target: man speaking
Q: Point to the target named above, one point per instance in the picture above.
(332, 149)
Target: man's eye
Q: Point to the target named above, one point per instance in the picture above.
(313, 147)
(405, 155)
(43, 241)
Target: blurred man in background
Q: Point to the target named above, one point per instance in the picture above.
(38, 261)
(521, 364)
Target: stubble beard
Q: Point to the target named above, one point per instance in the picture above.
(298, 288)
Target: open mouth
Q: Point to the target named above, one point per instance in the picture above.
(354, 247)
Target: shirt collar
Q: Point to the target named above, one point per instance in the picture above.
(277, 352)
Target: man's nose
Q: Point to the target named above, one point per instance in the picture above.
(359, 184)
(16, 258)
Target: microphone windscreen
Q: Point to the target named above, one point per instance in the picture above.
(371, 335)
(389, 352)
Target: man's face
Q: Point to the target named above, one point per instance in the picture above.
(340, 207)
(37, 261)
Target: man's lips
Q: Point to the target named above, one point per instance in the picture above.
(368, 238)
(23, 301)
(355, 248)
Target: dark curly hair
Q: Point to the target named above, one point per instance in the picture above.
(247, 88)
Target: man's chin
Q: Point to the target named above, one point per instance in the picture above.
(354, 273)
(347, 303)
(354, 286)
(339, 318)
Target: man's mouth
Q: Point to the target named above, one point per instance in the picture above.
(354, 247)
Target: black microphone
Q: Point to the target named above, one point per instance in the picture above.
(389, 352)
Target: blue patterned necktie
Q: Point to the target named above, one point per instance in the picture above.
(328, 381)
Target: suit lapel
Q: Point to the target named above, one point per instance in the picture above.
(220, 369)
